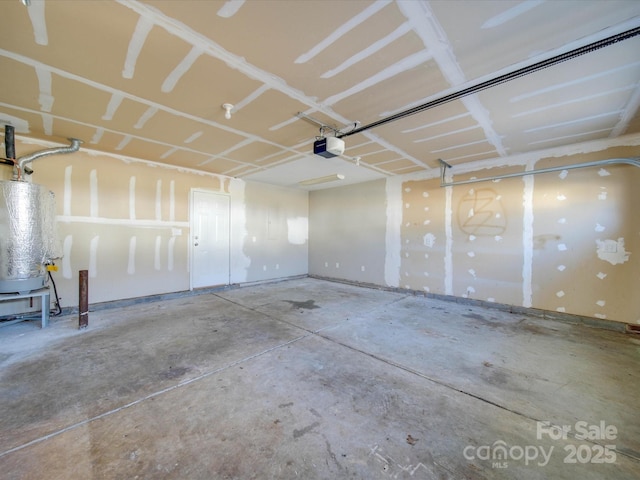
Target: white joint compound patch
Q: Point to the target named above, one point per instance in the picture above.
(393, 238)
(603, 173)
(527, 238)
(298, 230)
(612, 251)
(599, 228)
(563, 174)
(429, 240)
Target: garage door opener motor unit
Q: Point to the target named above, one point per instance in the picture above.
(328, 147)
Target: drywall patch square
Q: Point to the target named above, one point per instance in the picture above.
(612, 251)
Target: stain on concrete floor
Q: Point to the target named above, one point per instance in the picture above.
(306, 305)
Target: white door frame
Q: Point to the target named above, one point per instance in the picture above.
(192, 193)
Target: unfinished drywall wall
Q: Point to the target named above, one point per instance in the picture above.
(347, 232)
(586, 240)
(566, 242)
(126, 221)
(277, 232)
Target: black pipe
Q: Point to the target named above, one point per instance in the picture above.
(9, 142)
(501, 79)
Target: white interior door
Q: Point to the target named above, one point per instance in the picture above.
(210, 231)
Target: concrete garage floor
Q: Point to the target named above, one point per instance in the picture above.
(316, 380)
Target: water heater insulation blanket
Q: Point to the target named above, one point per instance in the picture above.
(28, 234)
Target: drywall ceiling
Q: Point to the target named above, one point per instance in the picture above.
(148, 79)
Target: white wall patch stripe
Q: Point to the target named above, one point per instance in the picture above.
(370, 50)
(38, 22)
(448, 230)
(393, 237)
(194, 137)
(97, 136)
(124, 142)
(527, 238)
(169, 152)
(397, 68)
(114, 103)
(183, 67)
(230, 8)
(250, 98)
(143, 27)
(343, 29)
(511, 13)
(581, 79)
(44, 80)
(144, 118)
(47, 124)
